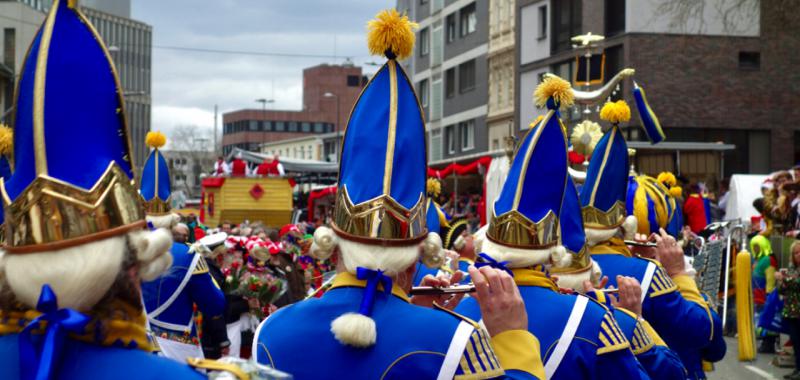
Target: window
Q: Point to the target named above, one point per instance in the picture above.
(423, 2)
(293, 127)
(566, 23)
(353, 80)
(319, 127)
(280, 126)
(253, 125)
(306, 127)
(749, 60)
(614, 62)
(435, 145)
(542, 22)
(450, 83)
(468, 19)
(268, 126)
(451, 27)
(615, 17)
(466, 76)
(424, 42)
(423, 92)
(466, 131)
(450, 139)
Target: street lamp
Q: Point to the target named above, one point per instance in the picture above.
(264, 102)
(338, 119)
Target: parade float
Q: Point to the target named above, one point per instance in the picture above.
(236, 199)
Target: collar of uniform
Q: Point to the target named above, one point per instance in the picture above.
(466, 260)
(123, 325)
(531, 277)
(614, 246)
(347, 279)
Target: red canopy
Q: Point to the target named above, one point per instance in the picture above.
(316, 194)
(459, 169)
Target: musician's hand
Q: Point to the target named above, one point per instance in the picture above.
(648, 252)
(669, 254)
(448, 301)
(589, 287)
(501, 304)
(629, 296)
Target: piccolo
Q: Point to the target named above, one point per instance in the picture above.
(607, 291)
(634, 243)
(434, 291)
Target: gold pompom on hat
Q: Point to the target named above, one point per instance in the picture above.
(69, 186)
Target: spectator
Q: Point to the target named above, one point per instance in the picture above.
(763, 283)
(270, 167)
(221, 167)
(694, 210)
(180, 233)
(789, 287)
(226, 227)
(239, 167)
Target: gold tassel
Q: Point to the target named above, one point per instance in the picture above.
(6, 140)
(744, 307)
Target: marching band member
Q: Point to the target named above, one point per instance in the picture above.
(580, 338)
(366, 326)
(77, 247)
(170, 299)
(668, 293)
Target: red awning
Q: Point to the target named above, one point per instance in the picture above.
(461, 169)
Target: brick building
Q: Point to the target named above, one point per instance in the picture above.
(709, 78)
(249, 128)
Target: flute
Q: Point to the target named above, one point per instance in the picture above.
(634, 243)
(434, 291)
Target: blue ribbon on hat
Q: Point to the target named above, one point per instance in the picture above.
(489, 261)
(374, 278)
(38, 358)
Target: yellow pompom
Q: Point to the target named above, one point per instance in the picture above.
(616, 112)
(6, 140)
(155, 139)
(556, 88)
(676, 192)
(434, 187)
(667, 179)
(391, 34)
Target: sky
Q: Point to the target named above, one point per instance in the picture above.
(186, 84)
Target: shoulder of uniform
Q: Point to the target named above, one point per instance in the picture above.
(610, 337)
(201, 267)
(457, 315)
(478, 361)
(661, 283)
(641, 341)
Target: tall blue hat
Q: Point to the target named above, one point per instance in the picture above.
(573, 237)
(155, 183)
(437, 220)
(604, 191)
(381, 191)
(73, 178)
(526, 213)
(650, 202)
(650, 123)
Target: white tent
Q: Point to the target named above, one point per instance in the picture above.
(744, 189)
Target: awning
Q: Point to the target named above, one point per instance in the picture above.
(289, 164)
(681, 146)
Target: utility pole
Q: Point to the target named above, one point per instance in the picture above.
(215, 130)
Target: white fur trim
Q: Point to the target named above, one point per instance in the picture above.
(164, 221)
(354, 329)
(432, 252)
(595, 236)
(629, 227)
(391, 260)
(323, 243)
(575, 280)
(523, 258)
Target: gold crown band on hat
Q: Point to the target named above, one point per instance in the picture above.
(581, 262)
(382, 219)
(158, 207)
(613, 218)
(515, 230)
(53, 214)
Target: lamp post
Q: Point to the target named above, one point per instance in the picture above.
(338, 119)
(264, 102)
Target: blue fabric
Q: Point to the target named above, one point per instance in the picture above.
(38, 359)
(5, 168)
(81, 120)
(411, 343)
(712, 352)
(608, 172)
(363, 163)
(148, 185)
(545, 173)
(488, 261)
(81, 360)
(200, 290)
(432, 218)
(649, 120)
(676, 223)
(682, 324)
(770, 319)
(373, 278)
(573, 237)
(660, 362)
(463, 266)
(548, 312)
(422, 271)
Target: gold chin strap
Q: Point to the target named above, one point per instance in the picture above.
(52, 214)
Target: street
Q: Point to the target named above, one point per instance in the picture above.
(732, 369)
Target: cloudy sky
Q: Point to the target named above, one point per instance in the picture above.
(187, 84)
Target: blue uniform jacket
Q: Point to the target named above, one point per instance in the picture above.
(660, 362)
(598, 349)
(412, 342)
(81, 360)
(683, 324)
(199, 288)
(713, 352)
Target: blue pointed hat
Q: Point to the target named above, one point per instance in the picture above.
(649, 201)
(526, 213)
(573, 237)
(155, 183)
(382, 174)
(604, 191)
(73, 178)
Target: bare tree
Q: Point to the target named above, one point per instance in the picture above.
(689, 16)
(195, 146)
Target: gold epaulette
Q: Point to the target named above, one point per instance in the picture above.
(610, 336)
(661, 283)
(201, 267)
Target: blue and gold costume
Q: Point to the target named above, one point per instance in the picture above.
(392, 338)
(668, 303)
(72, 186)
(579, 337)
(170, 299)
(698, 362)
